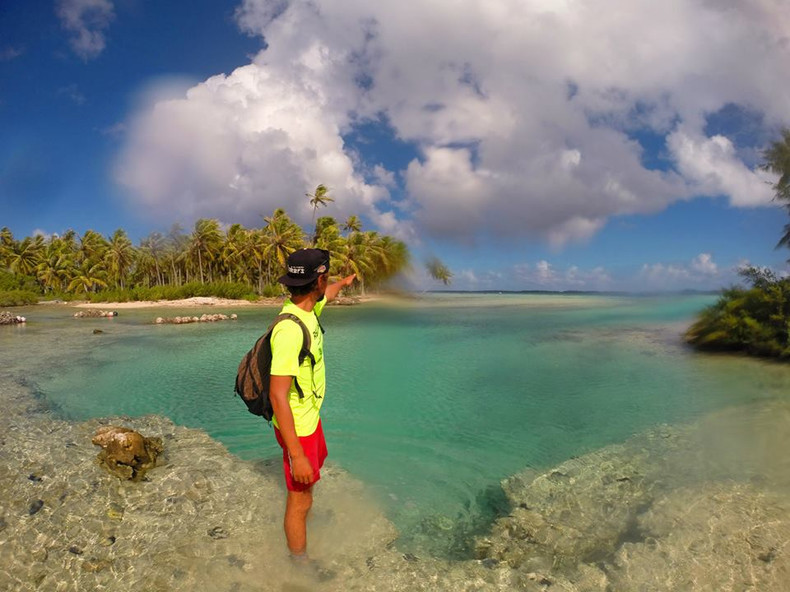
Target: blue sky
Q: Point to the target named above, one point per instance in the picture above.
(540, 144)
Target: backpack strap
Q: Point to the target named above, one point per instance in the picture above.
(306, 343)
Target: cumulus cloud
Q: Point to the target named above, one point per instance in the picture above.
(711, 166)
(523, 115)
(236, 147)
(703, 264)
(87, 21)
(701, 272)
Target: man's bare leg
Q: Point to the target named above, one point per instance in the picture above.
(297, 506)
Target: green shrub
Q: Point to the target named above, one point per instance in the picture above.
(17, 297)
(14, 281)
(273, 290)
(755, 321)
(232, 290)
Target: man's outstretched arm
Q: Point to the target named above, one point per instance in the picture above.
(333, 290)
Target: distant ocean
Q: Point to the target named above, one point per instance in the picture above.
(430, 403)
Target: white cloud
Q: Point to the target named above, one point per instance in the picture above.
(383, 176)
(703, 264)
(236, 147)
(521, 112)
(701, 272)
(710, 164)
(87, 21)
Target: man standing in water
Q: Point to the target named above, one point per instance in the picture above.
(297, 424)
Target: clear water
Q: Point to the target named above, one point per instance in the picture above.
(430, 404)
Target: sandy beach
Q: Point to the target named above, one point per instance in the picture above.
(194, 302)
(203, 301)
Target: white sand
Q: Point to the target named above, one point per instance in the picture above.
(194, 302)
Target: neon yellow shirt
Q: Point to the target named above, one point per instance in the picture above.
(286, 345)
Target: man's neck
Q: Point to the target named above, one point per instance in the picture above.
(306, 302)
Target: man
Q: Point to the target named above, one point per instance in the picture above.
(296, 419)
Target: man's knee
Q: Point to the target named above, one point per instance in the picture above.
(300, 501)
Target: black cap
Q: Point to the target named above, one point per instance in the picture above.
(304, 266)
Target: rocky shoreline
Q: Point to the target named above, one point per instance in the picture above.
(204, 318)
(657, 512)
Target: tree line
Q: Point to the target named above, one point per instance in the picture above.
(233, 261)
(756, 319)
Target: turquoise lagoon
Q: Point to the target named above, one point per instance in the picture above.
(430, 403)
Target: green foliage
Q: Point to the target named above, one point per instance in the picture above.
(233, 290)
(439, 271)
(13, 281)
(273, 291)
(17, 297)
(755, 320)
(234, 263)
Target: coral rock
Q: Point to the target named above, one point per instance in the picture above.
(126, 453)
(6, 318)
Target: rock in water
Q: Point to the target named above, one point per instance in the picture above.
(6, 318)
(93, 313)
(126, 453)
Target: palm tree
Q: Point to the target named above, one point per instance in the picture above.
(177, 253)
(281, 238)
(69, 240)
(119, 257)
(88, 278)
(777, 160)
(205, 244)
(236, 253)
(327, 236)
(6, 246)
(352, 224)
(55, 269)
(396, 256)
(152, 250)
(438, 270)
(319, 198)
(25, 255)
(93, 247)
(363, 257)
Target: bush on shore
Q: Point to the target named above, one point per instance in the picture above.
(10, 282)
(17, 297)
(233, 290)
(753, 320)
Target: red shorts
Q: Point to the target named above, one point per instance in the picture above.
(314, 447)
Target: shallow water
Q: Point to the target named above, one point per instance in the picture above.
(430, 404)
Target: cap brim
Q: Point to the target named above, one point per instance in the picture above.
(287, 280)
